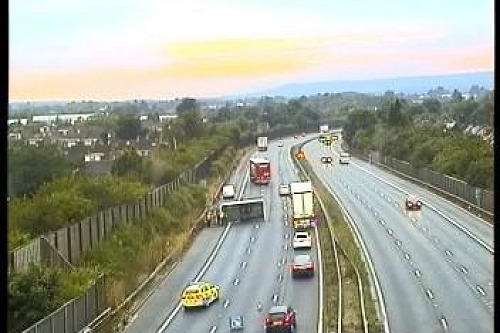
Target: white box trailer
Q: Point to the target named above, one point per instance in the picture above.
(303, 204)
(262, 143)
(323, 128)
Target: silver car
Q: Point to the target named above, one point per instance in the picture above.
(284, 189)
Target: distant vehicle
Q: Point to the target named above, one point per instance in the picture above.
(280, 143)
(228, 191)
(326, 159)
(344, 158)
(280, 318)
(412, 203)
(284, 189)
(200, 294)
(260, 170)
(323, 128)
(302, 203)
(262, 143)
(303, 134)
(300, 155)
(325, 138)
(236, 323)
(295, 136)
(302, 265)
(302, 239)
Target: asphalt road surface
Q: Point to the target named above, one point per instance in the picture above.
(434, 277)
(252, 267)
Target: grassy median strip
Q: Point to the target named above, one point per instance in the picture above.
(330, 285)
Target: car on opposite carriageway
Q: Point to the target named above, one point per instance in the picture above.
(326, 159)
(413, 203)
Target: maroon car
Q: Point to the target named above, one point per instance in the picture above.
(281, 318)
(302, 265)
(412, 203)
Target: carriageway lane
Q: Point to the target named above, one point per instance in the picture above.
(409, 250)
(472, 262)
(263, 251)
(303, 294)
(476, 225)
(164, 297)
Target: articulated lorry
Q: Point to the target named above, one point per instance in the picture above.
(260, 170)
(262, 143)
(302, 202)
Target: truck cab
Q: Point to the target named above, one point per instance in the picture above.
(260, 170)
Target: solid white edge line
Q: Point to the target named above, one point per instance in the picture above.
(367, 256)
(457, 225)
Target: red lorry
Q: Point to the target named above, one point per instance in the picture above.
(260, 170)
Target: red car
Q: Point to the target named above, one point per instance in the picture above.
(302, 265)
(412, 203)
(281, 318)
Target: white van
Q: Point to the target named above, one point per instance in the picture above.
(228, 191)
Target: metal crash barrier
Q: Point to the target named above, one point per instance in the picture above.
(242, 211)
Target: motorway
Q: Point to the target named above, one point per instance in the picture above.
(252, 266)
(434, 277)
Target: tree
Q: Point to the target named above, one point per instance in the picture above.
(223, 114)
(31, 296)
(456, 96)
(30, 167)
(357, 120)
(129, 164)
(128, 127)
(189, 115)
(432, 105)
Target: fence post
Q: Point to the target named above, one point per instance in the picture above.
(70, 254)
(478, 196)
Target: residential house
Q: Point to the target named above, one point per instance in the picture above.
(96, 168)
(44, 130)
(63, 131)
(89, 142)
(35, 141)
(165, 118)
(450, 125)
(15, 136)
(97, 156)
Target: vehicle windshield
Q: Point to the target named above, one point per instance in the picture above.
(302, 259)
(277, 316)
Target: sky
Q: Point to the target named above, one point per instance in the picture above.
(124, 49)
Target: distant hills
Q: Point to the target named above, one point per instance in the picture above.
(407, 85)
